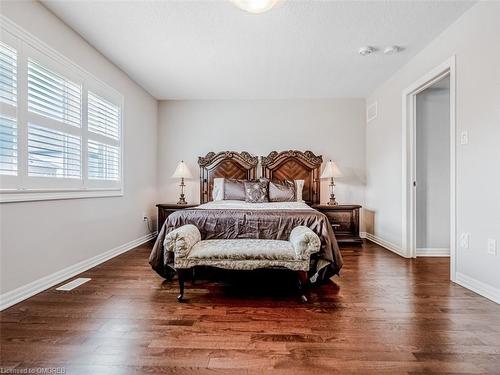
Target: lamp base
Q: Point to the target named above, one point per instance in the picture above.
(182, 200)
(332, 201)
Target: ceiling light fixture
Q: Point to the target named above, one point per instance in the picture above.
(365, 51)
(255, 6)
(391, 50)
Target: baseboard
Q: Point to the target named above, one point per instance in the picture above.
(478, 287)
(385, 244)
(433, 252)
(19, 294)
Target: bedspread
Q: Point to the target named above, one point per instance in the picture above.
(264, 222)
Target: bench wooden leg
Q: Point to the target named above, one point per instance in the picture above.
(302, 283)
(181, 274)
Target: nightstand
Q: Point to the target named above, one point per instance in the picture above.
(165, 209)
(344, 219)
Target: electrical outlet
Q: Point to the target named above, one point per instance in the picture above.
(144, 217)
(492, 246)
(464, 137)
(464, 240)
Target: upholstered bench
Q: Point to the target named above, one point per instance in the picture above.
(241, 254)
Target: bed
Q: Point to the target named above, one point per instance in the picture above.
(229, 219)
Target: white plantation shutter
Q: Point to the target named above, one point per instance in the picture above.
(8, 110)
(8, 74)
(8, 145)
(103, 116)
(104, 125)
(54, 127)
(52, 95)
(53, 153)
(60, 127)
(104, 161)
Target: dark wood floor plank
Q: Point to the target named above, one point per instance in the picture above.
(384, 315)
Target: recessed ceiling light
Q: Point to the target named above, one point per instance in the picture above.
(391, 50)
(365, 51)
(255, 6)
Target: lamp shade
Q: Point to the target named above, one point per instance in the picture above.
(331, 170)
(182, 171)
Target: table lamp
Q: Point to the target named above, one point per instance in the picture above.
(182, 172)
(331, 171)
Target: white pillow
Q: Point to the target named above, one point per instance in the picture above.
(299, 186)
(218, 190)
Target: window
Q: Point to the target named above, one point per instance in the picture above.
(8, 145)
(103, 152)
(52, 95)
(103, 161)
(54, 150)
(52, 153)
(8, 102)
(8, 74)
(60, 128)
(104, 117)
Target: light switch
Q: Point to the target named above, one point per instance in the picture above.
(464, 137)
(492, 246)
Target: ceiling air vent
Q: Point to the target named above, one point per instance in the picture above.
(371, 112)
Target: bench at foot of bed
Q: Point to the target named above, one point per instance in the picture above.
(242, 254)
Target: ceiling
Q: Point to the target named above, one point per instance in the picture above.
(299, 49)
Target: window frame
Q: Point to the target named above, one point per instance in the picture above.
(22, 187)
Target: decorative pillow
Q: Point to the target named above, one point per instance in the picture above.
(299, 186)
(234, 190)
(256, 192)
(218, 189)
(281, 191)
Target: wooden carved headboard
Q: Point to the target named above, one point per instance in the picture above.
(295, 165)
(225, 164)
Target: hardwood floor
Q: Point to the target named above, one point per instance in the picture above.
(385, 315)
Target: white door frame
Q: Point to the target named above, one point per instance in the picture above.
(447, 68)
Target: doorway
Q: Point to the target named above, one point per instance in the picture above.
(428, 147)
(432, 168)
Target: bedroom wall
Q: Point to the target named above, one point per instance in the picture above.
(473, 38)
(334, 128)
(41, 238)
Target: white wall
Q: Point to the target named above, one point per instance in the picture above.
(433, 167)
(40, 238)
(473, 38)
(333, 128)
